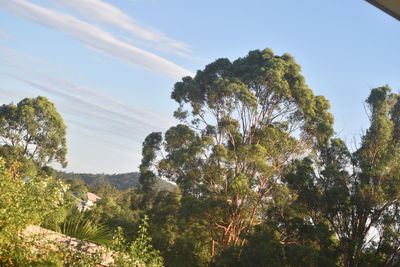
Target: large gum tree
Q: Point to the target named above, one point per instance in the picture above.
(241, 123)
(33, 130)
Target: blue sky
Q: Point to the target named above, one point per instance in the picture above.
(110, 65)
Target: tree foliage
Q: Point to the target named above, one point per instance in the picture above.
(85, 227)
(357, 193)
(22, 202)
(260, 181)
(34, 130)
(242, 122)
(140, 252)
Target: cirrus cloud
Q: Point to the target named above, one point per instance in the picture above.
(94, 37)
(100, 11)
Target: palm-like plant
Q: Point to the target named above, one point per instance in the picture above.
(85, 227)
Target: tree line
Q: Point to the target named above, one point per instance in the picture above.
(261, 178)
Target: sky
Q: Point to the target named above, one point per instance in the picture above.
(110, 66)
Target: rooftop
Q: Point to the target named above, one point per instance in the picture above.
(392, 7)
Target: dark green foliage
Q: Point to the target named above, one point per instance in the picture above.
(147, 178)
(139, 252)
(120, 181)
(116, 212)
(357, 194)
(264, 249)
(181, 239)
(76, 185)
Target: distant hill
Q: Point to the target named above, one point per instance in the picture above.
(120, 181)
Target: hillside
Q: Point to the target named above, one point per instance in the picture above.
(120, 181)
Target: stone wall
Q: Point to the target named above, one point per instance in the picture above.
(54, 240)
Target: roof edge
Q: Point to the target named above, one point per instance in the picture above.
(384, 9)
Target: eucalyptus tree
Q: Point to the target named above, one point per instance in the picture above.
(33, 130)
(357, 193)
(241, 123)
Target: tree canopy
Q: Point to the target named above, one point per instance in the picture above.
(356, 194)
(241, 123)
(34, 130)
(260, 179)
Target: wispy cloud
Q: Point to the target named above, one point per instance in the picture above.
(94, 37)
(109, 115)
(6, 35)
(13, 57)
(9, 95)
(100, 11)
(89, 129)
(83, 103)
(103, 126)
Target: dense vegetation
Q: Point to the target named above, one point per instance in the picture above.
(261, 179)
(120, 181)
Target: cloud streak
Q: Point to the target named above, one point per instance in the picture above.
(100, 11)
(6, 35)
(94, 37)
(93, 110)
(82, 103)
